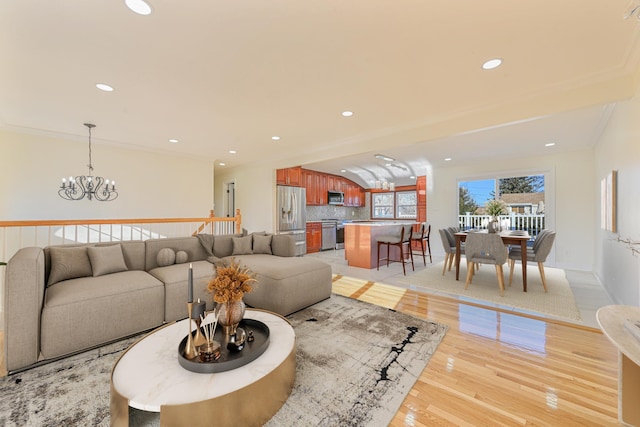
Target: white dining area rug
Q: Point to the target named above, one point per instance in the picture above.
(559, 302)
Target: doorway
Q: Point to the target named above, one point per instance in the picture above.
(230, 199)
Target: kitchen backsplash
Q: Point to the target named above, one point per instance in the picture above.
(317, 213)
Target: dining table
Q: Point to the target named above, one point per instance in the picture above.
(509, 237)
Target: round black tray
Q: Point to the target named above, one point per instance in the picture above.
(229, 359)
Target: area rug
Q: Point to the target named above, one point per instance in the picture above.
(559, 302)
(356, 362)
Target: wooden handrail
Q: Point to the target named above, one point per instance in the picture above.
(45, 222)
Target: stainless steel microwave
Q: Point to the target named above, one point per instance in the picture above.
(335, 198)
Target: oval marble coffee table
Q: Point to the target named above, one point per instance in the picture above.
(148, 377)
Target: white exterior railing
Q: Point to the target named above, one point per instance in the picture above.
(531, 223)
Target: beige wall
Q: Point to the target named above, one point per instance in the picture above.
(255, 187)
(619, 149)
(151, 185)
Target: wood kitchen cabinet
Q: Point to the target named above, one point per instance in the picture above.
(314, 237)
(290, 176)
(318, 184)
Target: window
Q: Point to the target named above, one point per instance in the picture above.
(406, 204)
(394, 205)
(382, 205)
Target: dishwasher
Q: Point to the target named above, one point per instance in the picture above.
(328, 235)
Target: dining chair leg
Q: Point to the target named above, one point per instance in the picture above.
(500, 275)
(469, 274)
(429, 247)
(446, 260)
(544, 279)
(424, 258)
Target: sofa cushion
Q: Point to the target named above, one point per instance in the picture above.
(223, 245)
(89, 311)
(68, 263)
(106, 259)
(181, 257)
(242, 245)
(261, 244)
(166, 256)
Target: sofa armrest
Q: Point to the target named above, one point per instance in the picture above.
(283, 245)
(24, 296)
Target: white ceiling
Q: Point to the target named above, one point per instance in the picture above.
(222, 76)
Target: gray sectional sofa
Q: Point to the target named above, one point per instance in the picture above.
(60, 300)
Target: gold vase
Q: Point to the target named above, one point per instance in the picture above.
(229, 316)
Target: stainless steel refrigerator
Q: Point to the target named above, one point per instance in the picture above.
(292, 215)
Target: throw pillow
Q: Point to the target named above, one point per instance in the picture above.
(181, 257)
(165, 257)
(223, 246)
(68, 263)
(106, 259)
(242, 245)
(261, 244)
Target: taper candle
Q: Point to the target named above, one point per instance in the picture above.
(198, 309)
(190, 283)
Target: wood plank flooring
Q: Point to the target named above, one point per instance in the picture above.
(494, 368)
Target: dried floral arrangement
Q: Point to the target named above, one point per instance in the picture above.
(231, 283)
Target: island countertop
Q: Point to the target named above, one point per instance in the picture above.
(360, 244)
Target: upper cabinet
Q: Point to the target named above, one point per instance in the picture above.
(290, 176)
(318, 184)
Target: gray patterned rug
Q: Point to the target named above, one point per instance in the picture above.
(356, 362)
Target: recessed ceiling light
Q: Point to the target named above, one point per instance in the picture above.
(550, 144)
(412, 177)
(447, 159)
(275, 138)
(138, 6)
(492, 63)
(347, 113)
(232, 151)
(173, 141)
(343, 170)
(104, 87)
(383, 157)
(221, 163)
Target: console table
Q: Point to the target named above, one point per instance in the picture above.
(148, 377)
(611, 320)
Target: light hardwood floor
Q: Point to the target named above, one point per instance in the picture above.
(495, 368)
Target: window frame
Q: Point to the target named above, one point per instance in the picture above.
(394, 206)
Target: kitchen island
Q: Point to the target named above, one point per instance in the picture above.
(360, 244)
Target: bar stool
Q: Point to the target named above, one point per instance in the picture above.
(400, 240)
(422, 236)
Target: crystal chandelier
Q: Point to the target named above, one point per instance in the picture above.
(89, 186)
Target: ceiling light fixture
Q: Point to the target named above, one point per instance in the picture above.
(343, 170)
(221, 164)
(88, 186)
(447, 159)
(275, 138)
(173, 141)
(383, 157)
(347, 113)
(139, 6)
(104, 87)
(492, 63)
(232, 151)
(550, 144)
